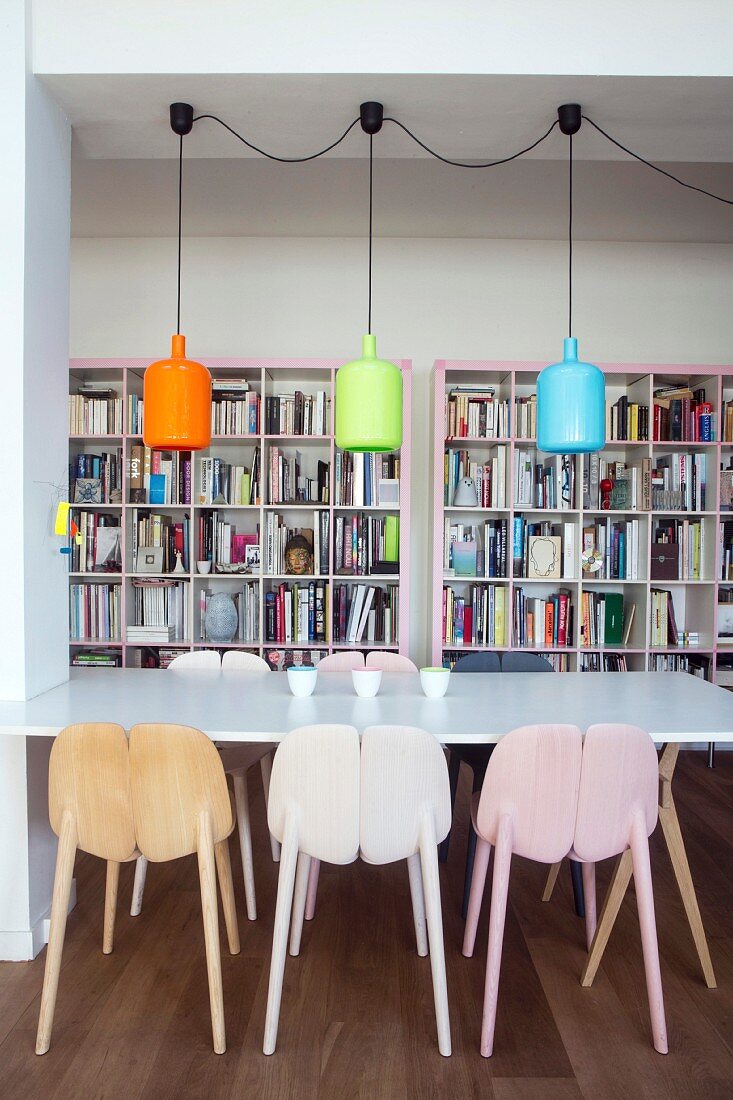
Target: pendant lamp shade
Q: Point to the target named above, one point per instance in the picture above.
(177, 402)
(571, 405)
(369, 402)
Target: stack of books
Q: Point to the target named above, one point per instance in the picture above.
(235, 408)
(679, 483)
(94, 611)
(491, 542)
(602, 619)
(478, 619)
(158, 477)
(98, 549)
(162, 604)
(135, 420)
(489, 477)
(472, 412)
(221, 482)
(97, 658)
(95, 409)
(543, 550)
(546, 484)
(525, 412)
(106, 467)
(358, 476)
(627, 420)
(296, 613)
(298, 414)
(366, 544)
(678, 549)
(663, 627)
(632, 485)
(542, 622)
(364, 612)
(288, 485)
(683, 415)
(612, 546)
(154, 529)
(603, 662)
(150, 635)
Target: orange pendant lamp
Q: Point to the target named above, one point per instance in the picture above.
(177, 390)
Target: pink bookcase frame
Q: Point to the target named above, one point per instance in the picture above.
(127, 368)
(522, 373)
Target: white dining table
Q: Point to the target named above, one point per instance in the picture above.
(675, 709)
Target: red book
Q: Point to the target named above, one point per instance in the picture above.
(549, 622)
(562, 621)
(468, 625)
(657, 421)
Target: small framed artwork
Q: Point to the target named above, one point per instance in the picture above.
(463, 557)
(388, 492)
(252, 556)
(149, 559)
(88, 490)
(725, 623)
(544, 557)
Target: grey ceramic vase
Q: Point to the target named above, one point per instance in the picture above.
(221, 618)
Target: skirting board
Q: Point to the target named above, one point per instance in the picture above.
(25, 945)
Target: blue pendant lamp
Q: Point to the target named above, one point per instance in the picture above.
(571, 395)
(369, 390)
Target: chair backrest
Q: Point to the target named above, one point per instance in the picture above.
(404, 776)
(315, 776)
(619, 780)
(478, 662)
(176, 776)
(89, 777)
(524, 662)
(342, 662)
(533, 776)
(199, 658)
(241, 661)
(390, 662)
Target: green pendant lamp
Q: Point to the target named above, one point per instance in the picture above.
(369, 390)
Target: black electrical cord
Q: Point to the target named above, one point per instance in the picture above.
(464, 164)
(271, 156)
(371, 224)
(648, 163)
(570, 238)
(180, 223)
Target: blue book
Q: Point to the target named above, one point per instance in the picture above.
(157, 488)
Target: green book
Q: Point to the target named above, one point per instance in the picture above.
(614, 629)
(392, 538)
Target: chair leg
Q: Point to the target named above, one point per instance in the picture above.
(478, 885)
(454, 770)
(209, 908)
(589, 894)
(414, 871)
(310, 905)
(468, 876)
(241, 801)
(226, 888)
(110, 905)
(301, 889)
(138, 887)
(551, 880)
(499, 892)
(266, 769)
(648, 927)
(434, 912)
(285, 884)
(59, 910)
(577, 878)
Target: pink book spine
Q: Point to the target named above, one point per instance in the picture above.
(186, 481)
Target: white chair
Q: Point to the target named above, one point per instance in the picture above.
(241, 661)
(405, 812)
(313, 810)
(390, 662)
(342, 662)
(198, 658)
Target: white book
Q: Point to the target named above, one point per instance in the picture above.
(368, 601)
(358, 480)
(568, 550)
(357, 602)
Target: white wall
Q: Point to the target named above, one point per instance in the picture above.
(432, 299)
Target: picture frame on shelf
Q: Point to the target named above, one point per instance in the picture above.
(88, 490)
(149, 559)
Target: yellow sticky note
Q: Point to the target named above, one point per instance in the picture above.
(62, 518)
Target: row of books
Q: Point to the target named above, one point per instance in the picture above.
(366, 480)
(728, 422)
(631, 485)
(234, 412)
(221, 482)
(159, 477)
(546, 484)
(543, 550)
(364, 612)
(296, 613)
(97, 549)
(106, 468)
(135, 421)
(288, 485)
(680, 662)
(611, 550)
(602, 662)
(217, 541)
(95, 611)
(366, 544)
(247, 603)
(298, 414)
(678, 550)
(683, 415)
(277, 535)
(163, 607)
(525, 412)
(663, 627)
(602, 619)
(474, 412)
(490, 549)
(488, 476)
(476, 619)
(725, 551)
(96, 658)
(544, 621)
(627, 420)
(97, 415)
(679, 483)
(153, 529)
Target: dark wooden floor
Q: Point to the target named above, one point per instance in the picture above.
(357, 1014)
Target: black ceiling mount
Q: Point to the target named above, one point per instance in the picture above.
(181, 118)
(371, 115)
(568, 115)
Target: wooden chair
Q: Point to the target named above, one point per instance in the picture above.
(90, 807)
(342, 662)
(528, 806)
(240, 661)
(390, 662)
(404, 814)
(313, 810)
(181, 805)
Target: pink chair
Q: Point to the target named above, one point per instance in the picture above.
(390, 662)
(527, 806)
(345, 661)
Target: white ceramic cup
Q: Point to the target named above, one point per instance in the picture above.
(203, 566)
(434, 682)
(302, 680)
(366, 681)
